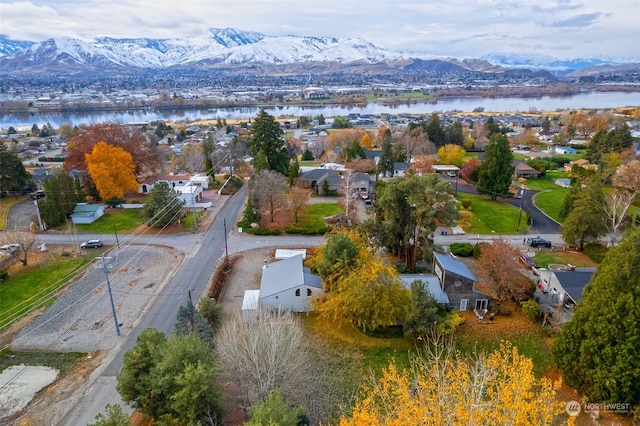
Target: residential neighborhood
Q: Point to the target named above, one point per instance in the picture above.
(378, 235)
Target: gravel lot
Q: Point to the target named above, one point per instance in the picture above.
(81, 318)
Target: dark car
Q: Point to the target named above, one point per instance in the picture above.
(539, 242)
(91, 244)
(527, 261)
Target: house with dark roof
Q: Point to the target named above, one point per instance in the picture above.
(459, 283)
(524, 170)
(400, 168)
(558, 291)
(314, 179)
(363, 183)
(288, 285)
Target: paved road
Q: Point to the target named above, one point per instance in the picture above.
(21, 215)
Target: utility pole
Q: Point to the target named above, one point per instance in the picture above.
(116, 234)
(521, 206)
(105, 267)
(193, 206)
(39, 217)
(226, 249)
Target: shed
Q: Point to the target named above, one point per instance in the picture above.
(430, 282)
(250, 303)
(87, 213)
(286, 253)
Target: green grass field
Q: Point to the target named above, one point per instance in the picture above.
(124, 220)
(315, 214)
(486, 216)
(36, 287)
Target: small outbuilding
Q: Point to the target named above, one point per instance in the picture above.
(459, 283)
(87, 213)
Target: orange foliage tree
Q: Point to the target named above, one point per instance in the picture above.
(112, 170)
(498, 269)
(343, 137)
(422, 165)
(365, 142)
(145, 157)
(446, 388)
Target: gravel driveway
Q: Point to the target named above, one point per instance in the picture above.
(81, 318)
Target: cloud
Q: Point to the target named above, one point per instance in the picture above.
(578, 21)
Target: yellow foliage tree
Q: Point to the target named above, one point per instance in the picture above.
(451, 154)
(365, 142)
(112, 170)
(369, 295)
(445, 388)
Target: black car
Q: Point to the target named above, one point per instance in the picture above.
(37, 194)
(539, 242)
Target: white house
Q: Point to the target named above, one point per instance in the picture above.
(287, 285)
(189, 194)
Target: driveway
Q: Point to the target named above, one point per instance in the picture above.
(21, 216)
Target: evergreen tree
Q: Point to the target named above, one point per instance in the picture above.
(496, 170)
(189, 320)
(434, 130)
(307, 155)
(274, 410)
(63, 193)
(586, 222)
(266, 141)
(385, 164)
(425, 312)
(162, 206)
(597, 350)
(294, 172)
(13, 175)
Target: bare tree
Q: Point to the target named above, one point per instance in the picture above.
(269, 191)
(479, 134)
(347, 189)
(297, 200)
(416, 142)
(616, 206)
(264, 353)
(319, 146)
(23, 241)
(191, 159)
(628, 175)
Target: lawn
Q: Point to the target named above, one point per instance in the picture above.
(122, 220)
(486, 216)
(543, 258)
(5, 205)
(315, 214)
(36, 286)
(551, 197)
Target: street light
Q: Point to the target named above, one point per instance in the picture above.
(521, 207)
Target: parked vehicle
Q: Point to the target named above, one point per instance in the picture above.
(91, 244)
(452, 174)
(538, 242)
(37, 194)
(527, 261)
(9, 248)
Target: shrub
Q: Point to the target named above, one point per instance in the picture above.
(595, 252)
(461, 249)
(3, 275)
(531, 309)
(262, 231)
(477, 251)
(466, 204)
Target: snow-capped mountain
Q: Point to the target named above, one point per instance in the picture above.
(549, 63)
(219, 46)
(232, 49)
(9, 46)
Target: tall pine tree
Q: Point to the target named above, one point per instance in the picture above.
(496, 170)
(266, 143)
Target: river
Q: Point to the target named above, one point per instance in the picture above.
(590, 100)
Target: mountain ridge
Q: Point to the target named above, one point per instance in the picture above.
(225, 48)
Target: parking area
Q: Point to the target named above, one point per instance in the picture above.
(21, 216)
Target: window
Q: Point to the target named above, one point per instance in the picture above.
(298, 292)
(482, 304)
(463, 304)
(309, 292)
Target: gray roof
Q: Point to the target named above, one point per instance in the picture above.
(400, 165)
(431, 283)
(455, 266)
(286, 274)
(574, 282)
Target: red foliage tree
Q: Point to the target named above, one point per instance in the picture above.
(145, 157)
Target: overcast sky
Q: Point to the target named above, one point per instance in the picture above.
(460, 28)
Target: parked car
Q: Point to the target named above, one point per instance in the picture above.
(91, 244)
(9, 248)
(452, 174)
(538, 242)
(37, 194)
(527, 261)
